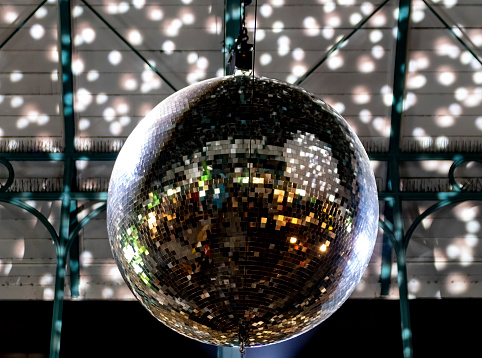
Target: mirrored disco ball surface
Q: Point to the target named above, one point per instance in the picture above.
(242, 205)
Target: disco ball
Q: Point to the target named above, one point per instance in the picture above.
(242, 210)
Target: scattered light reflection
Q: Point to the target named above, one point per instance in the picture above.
(277, 3)
(46, 279)
(114, 57)
(355, 18)
(456, 283)
(299, 70)
(283, 45)
(379, 20)
(419, 132)
(266, 10)
(329, 6)
(466, 211)
(53, 54)
(77, 11)
(109, 114)
(365, 116)
(446, 76)
(339, 107)
(187, 17)
(155, 14)
(115, 128)
(361, 95)
(298, 54)
(449, 3)
(375, 36)
(88, 35)
(472, 226)
(312, 28)
(265, 59)
(410, 100)
(471, 240)
(48, 294)
(37, 31)
(101, 98)
(168, 47)
(378, 52)
(107, 293)
(418, 15)
(277, 27)
(328, 32)
(365, 64)
(214, 26)
(16, 76)
(77, 67)
(478, 123)
(86, 258)
(477, 77)
(333, 20)
(260, 35)
(22, 123)
(16, 101)
(139, 4)
(10, 16)
(129, 82)
(92, 75)
(416, 80)
(84, 124)
(335, 61)
(83, 99)
(470, 97)
(444, 47)
(414, 286)
(466, 58)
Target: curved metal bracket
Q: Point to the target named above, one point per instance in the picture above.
(454, 166)
(37, 214)
(389, 232)
(429, 211)
(82, 223)
(11, 175)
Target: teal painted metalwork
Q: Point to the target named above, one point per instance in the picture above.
(85, 220)
(21, 24)
(394, 207)
(339, 44)
(37, 214)
(112, 156)
(133, 49)
(74, 253)
(11, 175)
(393, 225)
(67, 111)
(448, 27)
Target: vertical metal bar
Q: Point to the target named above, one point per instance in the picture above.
(404, 305)
(387, 250)
(232, 26)
(67, 110)
(74, 253)
(393, 174)
(21, 24)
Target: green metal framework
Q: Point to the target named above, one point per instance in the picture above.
(395, 236)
